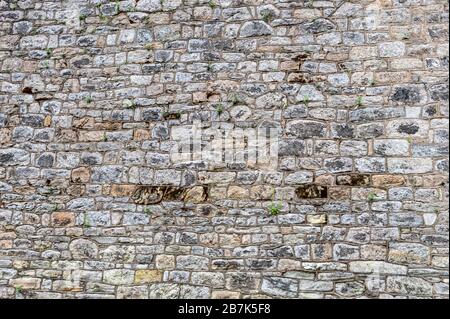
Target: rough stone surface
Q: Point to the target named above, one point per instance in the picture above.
(96, 95)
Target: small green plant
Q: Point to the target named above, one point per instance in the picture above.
(117, 6)
(104, 137)
(219, 109)
(212, 4)
(149, 46)
(86, 223)
(359, 101)
(147, 210)
(49, 52)
(409, 139)
(267, 16)
(306, 100)
(371, 197)
(235, 100)
(88, 99)
(18, 289)
(82, 17)
(129, 104)
(275, 209)
(54, 208)
(209, 68)
(51, 189)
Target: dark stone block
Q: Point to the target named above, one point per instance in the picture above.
(242, 281)
(149, 195)
(406, 94)
(292, 147)
(46, 160)
(284, 251)
(353, 180)
(318, 26)
(33, 120)
(261, 264)
(439, 92)
(343, 131)
(408, 128)
(151, 115)
(226, 264)
(312, 191)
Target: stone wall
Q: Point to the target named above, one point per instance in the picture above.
(92, 206)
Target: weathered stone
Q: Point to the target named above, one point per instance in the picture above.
(409, 286)
(147, 276)
(271, 101)
(122, 190)
(13, 156)
(374, 267)
(81, 175)
(353, 180)
(278, 286)
(387, 180)
(26, 283)
(306, 129)
(317, 219)
(408, 94)
(192, 262)
(409, 253)
(409, 165)
(312, 191)
(137, 292)
(301, 177)
(255, 29)
(318, 26)
(338, 165)
(350, 289)
(196, 195)
(63, 219)
(118, 276)
(164, 291)
(83, 249)
(392, 49)
(46, 160)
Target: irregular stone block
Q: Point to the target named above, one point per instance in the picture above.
(306, 129)
(278, 286)
(146, 195)
(312, 191)
(14, 156)
(409, 165)
(255, 29)
(118, 276)
(353, 180)
(318, 26)
(301, 177)
(409, 253)
(63, 219)
(410, 286)
(82, 249)
(374, 267)
(144, 276)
